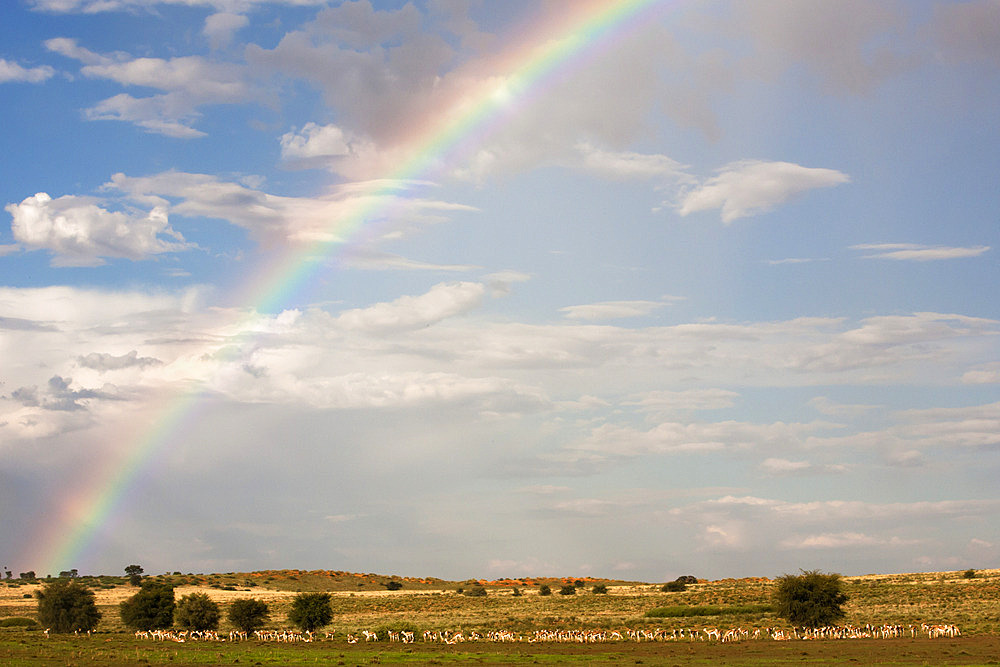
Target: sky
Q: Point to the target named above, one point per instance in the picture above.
(495, 289)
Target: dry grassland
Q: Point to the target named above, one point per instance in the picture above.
(936, 597)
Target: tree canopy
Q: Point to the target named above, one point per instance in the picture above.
(311, 611)
(812, 599)
(197, 611)
(152, 608)
(66, 606)
(248, 614)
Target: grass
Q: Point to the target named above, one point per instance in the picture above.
(682, 611)
(429, 604)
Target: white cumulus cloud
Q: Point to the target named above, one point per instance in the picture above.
(750, 187)
(79, 232)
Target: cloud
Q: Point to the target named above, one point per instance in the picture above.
(274, 218)
(368, 258)
(99, 6)
(844, 540)
(408, 312)
(188, 82)
(12, 72)
(325, 146)
(79, 232)
(834, 409)
(665, 402)
(984, 374)
(58, 395)
(751, 187)
(221, 27)
(782, 467)
(848, 44)
(968, 31)
(630, 165)
(108, 362)
(918, 253)
(611, 310)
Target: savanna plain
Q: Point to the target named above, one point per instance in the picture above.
(364, 603)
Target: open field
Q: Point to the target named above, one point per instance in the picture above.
(904, 599)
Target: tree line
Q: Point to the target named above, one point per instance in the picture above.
(810, 599)
(67, 606)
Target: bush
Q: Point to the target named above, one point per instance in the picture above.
(969, 574)
(599, 589)
(197, 611)
(19, 622)
(673, 586)
(152, 608)
(476, 592)
(568, 589)
(544, 589)
(248, 615)
(812, 599)
(382, 631)
(393, 585)
(311, 611)
(66, 606)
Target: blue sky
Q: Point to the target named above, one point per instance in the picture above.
(716, 297)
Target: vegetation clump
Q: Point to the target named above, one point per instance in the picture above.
(248, 614)
(152, 608)
(67, 606)
(812, 599)
(311, 611)
(197, 611)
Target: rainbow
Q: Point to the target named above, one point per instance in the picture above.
(549, 50)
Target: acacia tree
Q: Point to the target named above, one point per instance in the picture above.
(812, 599)
(311, 611)
(152, 608)
(134, 573)
(66, 606)
(197, 611)
(248, 614)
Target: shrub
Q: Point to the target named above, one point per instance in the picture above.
(393, 585)
(544, 589)
(568, 589)
(383, 631)
(476, 592)
(197, 611)
(19, 622)
(599, 589)
(66, 606)
(687, 579)
(248, 614)
(812, 599)
(969, 574)
(673, 586)
(152, 608)
(311, 611)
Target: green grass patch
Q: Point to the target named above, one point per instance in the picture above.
(685, 611)
(18, 622)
